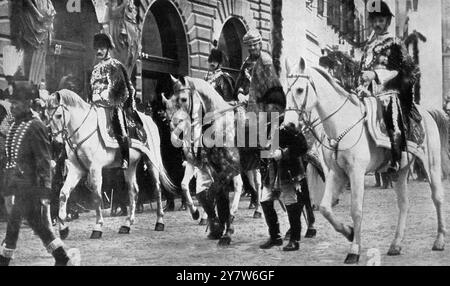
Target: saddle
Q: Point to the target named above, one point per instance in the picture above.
(377, 129)
(136, 131)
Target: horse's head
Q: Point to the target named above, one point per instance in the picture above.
(301, 96)
(57, 116)
(179, 105)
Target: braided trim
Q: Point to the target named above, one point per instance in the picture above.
(7, 252)
(55, 244)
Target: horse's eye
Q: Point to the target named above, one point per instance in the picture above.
(183, 100)
(299, 90)
(58, 116)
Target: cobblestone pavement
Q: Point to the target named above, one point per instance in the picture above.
(184, 242)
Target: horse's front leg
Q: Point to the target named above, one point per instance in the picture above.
(403, 206)
(334, 183)
(254, 177)
(95, 185)
(357, 186)
(73, 177)
(133, 189)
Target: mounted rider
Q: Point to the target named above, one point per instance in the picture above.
(222, 81)
(113, 90)
(388, 73)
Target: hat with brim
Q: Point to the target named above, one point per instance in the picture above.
(103, 40)
(25, 91)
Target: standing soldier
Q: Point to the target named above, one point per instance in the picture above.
(111, 88)
(388, 73)
(282, 180)
(28, 179)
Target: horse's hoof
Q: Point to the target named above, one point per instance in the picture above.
(224, 241)
(257, 214)
(196, 215)
(394, 250)
(438, 246)
(159, 226)
(351, 236)
(352, 258)
(96, 234)
(310, 233)
(64, 233)
(124, 229)
(203, 222)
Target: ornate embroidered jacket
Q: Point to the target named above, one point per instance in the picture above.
(27, 153)
(111, 86)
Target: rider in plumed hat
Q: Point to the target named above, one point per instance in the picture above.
(389, 73)
(27, 180)
(112, 89)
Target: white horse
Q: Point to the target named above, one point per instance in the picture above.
(76, 122)
(350, 153)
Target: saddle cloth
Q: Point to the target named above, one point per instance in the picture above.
(107, 134)
(377, 129)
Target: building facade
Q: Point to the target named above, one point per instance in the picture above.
(175, 36)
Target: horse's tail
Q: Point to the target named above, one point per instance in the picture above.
(154, 145)
(443, 123)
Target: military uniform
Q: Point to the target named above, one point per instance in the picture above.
(28, 179)
(223, 84)
(282, 180)
(112, 89)
(395, 76)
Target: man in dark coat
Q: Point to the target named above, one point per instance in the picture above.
(27, 180)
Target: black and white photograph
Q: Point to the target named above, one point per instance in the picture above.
(242, 135)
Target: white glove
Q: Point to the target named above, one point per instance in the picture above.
(242, 98)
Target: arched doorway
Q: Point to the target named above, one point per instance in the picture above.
(230, 42)
(164, 48)
(164, 52)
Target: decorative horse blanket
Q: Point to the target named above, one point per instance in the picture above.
(376, 127)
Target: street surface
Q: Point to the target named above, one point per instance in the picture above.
(184, 242)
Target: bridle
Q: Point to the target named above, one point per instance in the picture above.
(333, 144)
(64, 132)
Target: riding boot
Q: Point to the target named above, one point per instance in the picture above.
(272, 222)
(4, 261)
(124, 151)
(294, 212)
(215, 229)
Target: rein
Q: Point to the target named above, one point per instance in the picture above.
(74, 147)
(311, 125)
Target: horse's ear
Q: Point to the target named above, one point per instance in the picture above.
(288, 67)
(173, 79)
(57, 97)
(182, 80)
(302, 65)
